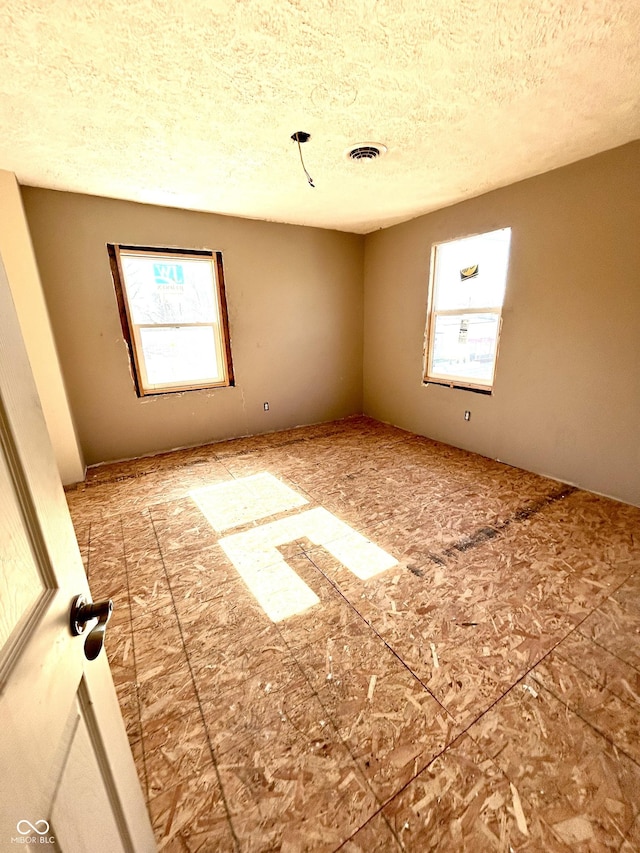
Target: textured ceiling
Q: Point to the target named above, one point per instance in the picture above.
(192, 103)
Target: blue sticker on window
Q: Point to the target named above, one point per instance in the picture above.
(168, 274)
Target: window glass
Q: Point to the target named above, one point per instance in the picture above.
(184, 354)
(465, 345)
(488, 255)
(162, 290)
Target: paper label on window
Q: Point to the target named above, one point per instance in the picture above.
(469, 272)
(169, 275)
(462, 334)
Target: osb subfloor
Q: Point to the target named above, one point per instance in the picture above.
(481, 694)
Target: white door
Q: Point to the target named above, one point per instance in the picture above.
(67, 777)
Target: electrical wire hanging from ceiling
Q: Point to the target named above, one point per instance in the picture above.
(300, 136)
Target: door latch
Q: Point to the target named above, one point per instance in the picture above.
(82, 612)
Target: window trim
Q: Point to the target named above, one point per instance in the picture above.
(130, 330)
(461, 383)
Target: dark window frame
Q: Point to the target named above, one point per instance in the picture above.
(136, 357)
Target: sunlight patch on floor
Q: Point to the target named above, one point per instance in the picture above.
(278, 589)
(236, 502)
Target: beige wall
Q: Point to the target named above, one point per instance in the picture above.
(567, 392)
(295, 309)
(22, 273)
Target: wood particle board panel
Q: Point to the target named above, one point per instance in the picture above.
(480, 694)
(632, 840)
(296, 777)
(614, 626)
(577, 781)
(463, 801)
(191, 816)
(614, 718)
(606, 669)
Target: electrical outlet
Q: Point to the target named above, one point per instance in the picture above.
(266, 407)
(467, 415)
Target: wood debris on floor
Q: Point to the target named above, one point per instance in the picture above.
(454, 662)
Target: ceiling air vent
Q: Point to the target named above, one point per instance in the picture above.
(366, 151)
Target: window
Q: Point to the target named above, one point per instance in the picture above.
(174, 317)
(468, 279)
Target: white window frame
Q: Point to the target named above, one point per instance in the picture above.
(461, 381)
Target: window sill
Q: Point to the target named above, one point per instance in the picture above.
(486, 391)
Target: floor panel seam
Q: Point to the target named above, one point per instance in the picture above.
(197, 694)
(135, 663)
